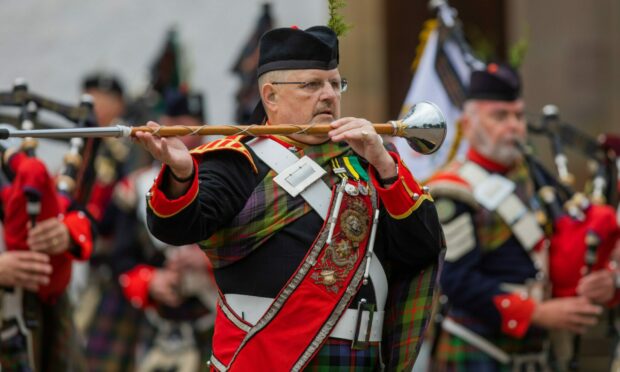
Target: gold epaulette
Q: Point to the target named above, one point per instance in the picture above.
(228, 143)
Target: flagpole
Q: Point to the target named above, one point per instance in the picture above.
(447, 16)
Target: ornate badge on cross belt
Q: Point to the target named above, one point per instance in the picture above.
(340, 257)
(354, 220)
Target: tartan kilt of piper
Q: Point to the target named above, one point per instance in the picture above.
(454, 354)
(113, 334)
(56, 342)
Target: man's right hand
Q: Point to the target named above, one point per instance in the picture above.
(187, 257)
(170, 150)
(25, 269)
(575, 314)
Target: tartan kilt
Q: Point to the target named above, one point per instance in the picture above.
(454, 354)
(113, 334)
(411, 302)
(337, 355)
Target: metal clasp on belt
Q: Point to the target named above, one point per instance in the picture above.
(362, 306)
(300, 175)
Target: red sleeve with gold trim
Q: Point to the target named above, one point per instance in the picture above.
(404, 196)
(135, 285)
(164, 207)
(515, 312)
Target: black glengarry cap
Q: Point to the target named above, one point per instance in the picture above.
(295, 49)
(105, 82)
(498, 82)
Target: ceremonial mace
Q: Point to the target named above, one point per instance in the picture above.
(424, 128)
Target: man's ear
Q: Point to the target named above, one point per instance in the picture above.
(269, 96)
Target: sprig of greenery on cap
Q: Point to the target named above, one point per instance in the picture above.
(336, 20)
(517, 52)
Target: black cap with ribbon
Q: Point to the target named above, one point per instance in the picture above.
(295, 49)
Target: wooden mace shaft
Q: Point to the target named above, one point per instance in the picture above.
(252, 130)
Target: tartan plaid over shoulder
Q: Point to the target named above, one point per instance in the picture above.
(267, 211)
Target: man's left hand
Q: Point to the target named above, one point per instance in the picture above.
(50, 236)
(597, 286)
(364, 140)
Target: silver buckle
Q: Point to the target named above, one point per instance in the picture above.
(362, 306)
(300, 175)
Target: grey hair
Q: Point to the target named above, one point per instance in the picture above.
(268, 77)
(470, 108)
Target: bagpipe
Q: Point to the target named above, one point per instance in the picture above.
(31, 193)
(583, 225)
(583, 234)
(601, 154)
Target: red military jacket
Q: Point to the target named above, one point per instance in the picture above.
(30, 175)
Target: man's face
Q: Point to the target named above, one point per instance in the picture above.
(493, 127)
(316, 100)
(108, 106)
